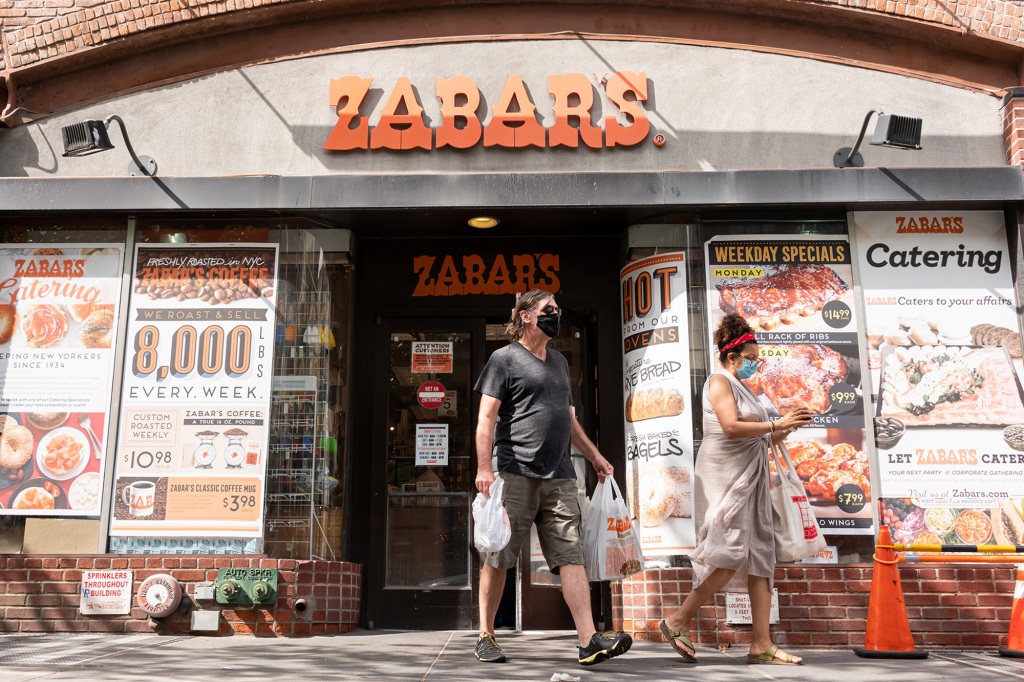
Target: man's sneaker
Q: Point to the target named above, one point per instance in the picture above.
(488, 651)
(605, 645)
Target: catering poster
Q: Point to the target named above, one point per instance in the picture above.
(656, 395)
(196, 396)
(796, 292)
(945, 353)
(58, 328)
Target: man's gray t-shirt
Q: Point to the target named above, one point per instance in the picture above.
(533, 432)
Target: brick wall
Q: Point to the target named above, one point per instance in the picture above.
(42, 29)
(41, 594)
(1013, 126)
(956, 606)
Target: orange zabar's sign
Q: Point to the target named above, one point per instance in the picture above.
(473, 275)
(510, 126)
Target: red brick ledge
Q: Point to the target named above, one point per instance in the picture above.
(961, 607)
(46, 29)
(41, 594)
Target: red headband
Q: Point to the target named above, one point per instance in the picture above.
(738, 341)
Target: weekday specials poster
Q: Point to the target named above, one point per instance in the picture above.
(796, 292)
(656, 393)
(58, 328)
(196, 396)
(945, 356)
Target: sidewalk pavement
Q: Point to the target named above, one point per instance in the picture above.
(443, 656)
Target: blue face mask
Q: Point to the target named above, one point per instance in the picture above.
(748, 369)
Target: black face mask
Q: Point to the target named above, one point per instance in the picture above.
(549, 324)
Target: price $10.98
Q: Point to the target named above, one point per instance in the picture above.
(146, 459)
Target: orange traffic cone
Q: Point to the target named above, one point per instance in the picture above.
(888, 632)
(1015, 644)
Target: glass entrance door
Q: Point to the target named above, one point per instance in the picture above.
(426, 412)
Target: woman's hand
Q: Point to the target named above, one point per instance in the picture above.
(794, 419)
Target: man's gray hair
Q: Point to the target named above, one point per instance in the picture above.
(514, 328)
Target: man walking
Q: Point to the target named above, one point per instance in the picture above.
(527, 421)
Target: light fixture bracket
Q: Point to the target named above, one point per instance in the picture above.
(891, 130)
(90, 137)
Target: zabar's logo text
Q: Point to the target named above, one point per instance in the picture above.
(929, 225)
(65, 267)
(473, 275)
(513, 122)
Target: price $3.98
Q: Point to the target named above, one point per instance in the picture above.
(236, 502)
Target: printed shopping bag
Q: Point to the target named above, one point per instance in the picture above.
(491, 529)
(611, 543)
(796, 530)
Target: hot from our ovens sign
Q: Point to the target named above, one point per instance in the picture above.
(513, 121)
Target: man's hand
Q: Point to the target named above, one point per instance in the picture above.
(484, 479)
(603, 467)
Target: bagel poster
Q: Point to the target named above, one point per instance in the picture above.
(58, 312)
(796, 292)
(944, 347)
(656, 394)
(195, 401)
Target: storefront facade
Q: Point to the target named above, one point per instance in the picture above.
(350, 170)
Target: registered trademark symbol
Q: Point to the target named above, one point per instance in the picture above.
(659, 140)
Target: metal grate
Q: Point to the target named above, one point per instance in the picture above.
(991, 662)
(66, 650)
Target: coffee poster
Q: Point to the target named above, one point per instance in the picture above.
(192, 450)
(796, 292)
(59, 306)
(945, 354)
(656, 393)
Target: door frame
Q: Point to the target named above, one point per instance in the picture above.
(402, 608)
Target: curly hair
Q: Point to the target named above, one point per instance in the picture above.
(514, 328)
(731, 327)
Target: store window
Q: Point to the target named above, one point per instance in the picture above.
(296, 449)
(722, 264)
(174, 386)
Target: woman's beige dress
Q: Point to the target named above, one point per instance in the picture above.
(732, 502)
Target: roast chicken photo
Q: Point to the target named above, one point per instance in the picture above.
(803, 379)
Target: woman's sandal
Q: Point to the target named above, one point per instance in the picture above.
(683, 638)
(774, 656)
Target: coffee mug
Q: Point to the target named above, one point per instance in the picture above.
(140, 498)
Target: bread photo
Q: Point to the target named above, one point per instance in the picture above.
(649, 403)
(16, 447)
(97, 330)
(1008, 526)
(46, 420)
(8, 322)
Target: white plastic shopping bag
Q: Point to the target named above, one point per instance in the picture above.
(796, 530)
(491, 529)
(611, 544)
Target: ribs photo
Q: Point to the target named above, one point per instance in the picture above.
(782, 296)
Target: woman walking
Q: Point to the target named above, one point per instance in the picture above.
(733, 511)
